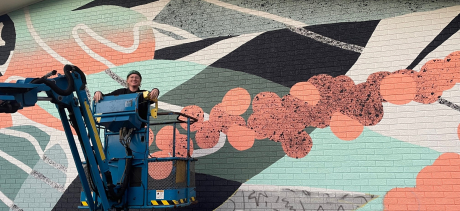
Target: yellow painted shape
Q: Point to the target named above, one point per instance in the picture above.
(154, 202)
(93, 126)
(84, 203)
(175, 202)
(165, 202)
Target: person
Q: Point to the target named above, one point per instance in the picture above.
(133, 80)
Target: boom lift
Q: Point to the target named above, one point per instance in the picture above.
(114, 175)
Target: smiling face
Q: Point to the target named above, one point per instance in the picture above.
(134, 81)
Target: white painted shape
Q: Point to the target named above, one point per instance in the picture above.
(211, 54)
(15, 162)
(396, 42)
(427, 125)
(449, 46)
(40, 42)
(2, 42)
(262, 14)
(6, 200)
(57, 137)
(14, 78)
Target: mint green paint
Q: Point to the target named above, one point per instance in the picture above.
(163, 74)
(55, 19)
(42, 137)
(356, 166)
(51, 195)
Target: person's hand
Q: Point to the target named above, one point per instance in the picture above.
(154, 94)
(97, 96)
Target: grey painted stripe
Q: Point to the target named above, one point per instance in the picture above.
(15, 208)
(326, 40)
(48, 181)
(54, 164)
(116, 77)
(449, 104)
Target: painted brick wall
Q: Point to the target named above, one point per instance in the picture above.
(318, 105)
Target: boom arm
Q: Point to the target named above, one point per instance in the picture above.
(68, 94)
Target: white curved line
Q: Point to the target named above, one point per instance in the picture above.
(57, 137)
(14, 78)
(40, 42)
(106, 42)
(16, 162)
(2, 42)
(5, 66)
(203, 152)
(27, 136)
(267, 15)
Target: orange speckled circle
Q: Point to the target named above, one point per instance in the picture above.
(345, 127)
(236, 101)
(241, 137)
(398, 89)
(306, 92)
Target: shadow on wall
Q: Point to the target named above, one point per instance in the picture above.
(211, 191)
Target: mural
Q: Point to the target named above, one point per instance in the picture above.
(319, 106)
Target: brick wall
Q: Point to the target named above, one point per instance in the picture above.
(318, 105)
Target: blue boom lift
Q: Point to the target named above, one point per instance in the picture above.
(114, 175)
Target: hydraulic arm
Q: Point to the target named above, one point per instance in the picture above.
(114, 174)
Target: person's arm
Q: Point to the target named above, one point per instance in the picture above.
(98, 95)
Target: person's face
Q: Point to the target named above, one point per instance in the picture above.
(134, 80)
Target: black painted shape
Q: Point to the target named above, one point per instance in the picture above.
(211, 192)
(357, 33)
(70, 199)
(121, 3)
(8, 35)
(285, 57)
(444, 35)
(177, 52)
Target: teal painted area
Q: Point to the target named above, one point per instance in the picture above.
(372, 164)
(55, 19)
(11, 177)
(42, 137)
(163, 74)
(19, 148)
(45, 191)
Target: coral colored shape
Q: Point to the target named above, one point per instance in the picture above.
(306, 92)
(160, 170)
(5, 120)
(221, 120)
(207, 136)
(296, 145)
(164, 142)
(193, 111)
(241, 137)
(236, 101)
(437, 188)
(345, 127)
(151, 136)
(398, 88)
(458, 131)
